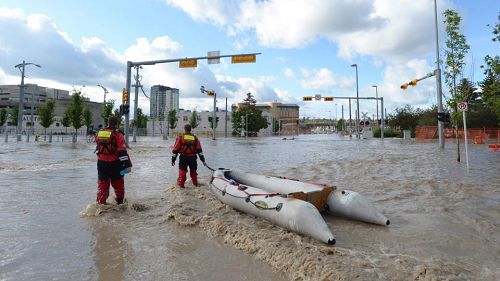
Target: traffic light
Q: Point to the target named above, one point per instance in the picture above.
(210, 93)
(124, 96)
(443, 117)
(413, 82)
(124, 109)
(307, 98)
(404, 86)
(328, 98)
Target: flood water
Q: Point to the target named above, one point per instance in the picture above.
(445, 219)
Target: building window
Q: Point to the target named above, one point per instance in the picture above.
(184, 118)
(57, 124)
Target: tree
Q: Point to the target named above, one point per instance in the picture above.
(76, 106)
(13, 113)
(248, 117)
(455, 53)
(491, 84)
(46, 114)
(3, 117)
(193, 121)
(87, 117)
(249, 100)
(405, 118)
(107, 111)
(142, 120)
(66, 121)
(172, 119)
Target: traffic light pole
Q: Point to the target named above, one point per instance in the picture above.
(131, 64)
(438, 81)
(136, 120)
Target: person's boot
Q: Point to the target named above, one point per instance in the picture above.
(119, 201)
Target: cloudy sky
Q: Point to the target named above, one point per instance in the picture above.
(307, 47)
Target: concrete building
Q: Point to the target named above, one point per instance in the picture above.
(162, 100)
(35, 96)
(279, 114)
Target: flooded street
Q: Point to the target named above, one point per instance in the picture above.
(445, 220)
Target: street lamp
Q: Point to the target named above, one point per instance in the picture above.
(21, 67)
(376, 95)
(105, 92)
(214, 118)
(438, 82)
(357, 101)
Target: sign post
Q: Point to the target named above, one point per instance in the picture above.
(463, 106)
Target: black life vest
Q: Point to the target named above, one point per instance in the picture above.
(106, 141)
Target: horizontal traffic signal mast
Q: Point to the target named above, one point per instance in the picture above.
(414, 82)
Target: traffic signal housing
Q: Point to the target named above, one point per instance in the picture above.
(307, 98)
(413, 82)
(404, 86)
(124, 109)
(443, 117)
(124, 96)
(328, 98)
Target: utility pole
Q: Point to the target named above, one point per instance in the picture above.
(136, 120)
(376, 95)
(20, 114)
(225, 122)
(357, 101)
(438, 81)
(214, 117)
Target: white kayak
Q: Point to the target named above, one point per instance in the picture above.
(346, 203)
(291, 213)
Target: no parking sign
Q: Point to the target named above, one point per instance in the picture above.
(463, 106)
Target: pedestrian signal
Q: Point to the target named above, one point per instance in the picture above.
(413, 82)
(328, 98)
(307, 98)
(443, 117)
(124, 109)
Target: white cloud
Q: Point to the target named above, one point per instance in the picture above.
(288, 73)
(324, 80)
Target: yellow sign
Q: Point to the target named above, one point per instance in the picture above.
(188, 63)
(243, 58)
(307, 98)
(328, 98)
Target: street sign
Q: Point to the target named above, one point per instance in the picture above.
(328, 98)
(213, 57)
(317, 97)
(364, 115)
(188, 63)
(243, 58)
(463, 106)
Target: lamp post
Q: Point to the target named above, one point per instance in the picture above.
(438, 82)
(214, 118)
(357, 101)
(104, 102)
(21, 67)
(376, 95)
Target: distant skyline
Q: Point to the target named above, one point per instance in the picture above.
(307, 48)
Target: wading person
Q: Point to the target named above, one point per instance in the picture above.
(187, 145)
(112, 162)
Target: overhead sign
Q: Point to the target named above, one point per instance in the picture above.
(317, 97)
(463, 106)
(188, 63)
(328, 98)
(213, 57)
(243, 58)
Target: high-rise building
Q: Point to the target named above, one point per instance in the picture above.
(162, 100)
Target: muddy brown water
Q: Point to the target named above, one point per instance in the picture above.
(444, 219)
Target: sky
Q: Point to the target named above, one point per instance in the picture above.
(307, 48)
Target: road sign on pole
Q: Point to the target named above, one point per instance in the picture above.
(243, 58)
(463, 106)
(188, 63)
(213, 57)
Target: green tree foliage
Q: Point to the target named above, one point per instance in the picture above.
(491, 83)
(66, 121)
(172, 119)
(87, 117)
(3, 116)
(14, 112)
(405, 118)
(427, 117)
(76, 113)
(142, 119)
(249, 100)
(456, 49)
(193, 120)
(255, 120)
(107, 111)
(46, 114)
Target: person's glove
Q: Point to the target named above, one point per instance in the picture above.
(173, 161)
(202, 158)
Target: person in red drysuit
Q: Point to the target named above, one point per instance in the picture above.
(187, 145)
(112, 158)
